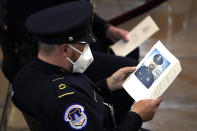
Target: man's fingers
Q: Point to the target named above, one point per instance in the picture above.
(125, 38)
(158, 101)
(129, 69)
(124, 34)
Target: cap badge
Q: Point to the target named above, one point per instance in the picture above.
(70, 38)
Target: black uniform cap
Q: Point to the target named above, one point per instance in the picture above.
(158, 59)
(66, 23)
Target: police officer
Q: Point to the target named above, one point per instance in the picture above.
(145, 74)
(104, 65)
(53, 89)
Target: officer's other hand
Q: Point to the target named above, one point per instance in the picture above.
(147, 108)
(115, 81)
(114, 34)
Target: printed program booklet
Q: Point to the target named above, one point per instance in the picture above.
(154, 74)
(136, 36)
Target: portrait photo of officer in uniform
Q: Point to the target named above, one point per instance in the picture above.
(152, 68)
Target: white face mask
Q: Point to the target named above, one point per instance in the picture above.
(84, 60)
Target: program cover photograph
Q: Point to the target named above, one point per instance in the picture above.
(152, 68)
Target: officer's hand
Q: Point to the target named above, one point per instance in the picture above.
(114, 34)
(147, 108)
(116, 80)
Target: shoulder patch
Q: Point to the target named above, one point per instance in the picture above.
(75, 116)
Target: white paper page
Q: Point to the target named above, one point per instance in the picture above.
(165, 83)
(146, 80)
(136, 36)
(168, 76)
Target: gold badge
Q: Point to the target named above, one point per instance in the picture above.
(62, 86)
(70, 38)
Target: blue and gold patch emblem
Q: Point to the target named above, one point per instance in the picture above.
(75, 116)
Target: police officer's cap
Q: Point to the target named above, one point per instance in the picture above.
(158, 59)
(66, 23)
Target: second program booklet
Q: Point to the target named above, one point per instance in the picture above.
(153, 75)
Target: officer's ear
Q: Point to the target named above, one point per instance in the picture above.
(64, 50)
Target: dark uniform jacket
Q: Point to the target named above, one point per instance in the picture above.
(66, 101)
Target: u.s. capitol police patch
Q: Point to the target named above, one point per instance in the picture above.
(76, 116)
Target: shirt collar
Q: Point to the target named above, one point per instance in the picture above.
(49, 68)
